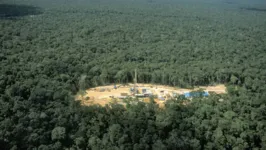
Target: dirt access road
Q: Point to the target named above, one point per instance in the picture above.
(105, 94)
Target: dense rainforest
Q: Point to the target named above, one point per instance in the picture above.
(48, 46)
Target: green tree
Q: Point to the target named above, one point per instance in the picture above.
(58, 133)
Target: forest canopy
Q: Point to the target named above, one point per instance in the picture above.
(44, 56)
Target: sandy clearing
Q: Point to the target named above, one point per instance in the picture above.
(103, 95)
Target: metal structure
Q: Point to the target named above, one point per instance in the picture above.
(135, 82)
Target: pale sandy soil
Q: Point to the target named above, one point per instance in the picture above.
(98, 96)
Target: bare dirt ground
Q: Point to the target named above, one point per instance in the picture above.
(105, 94)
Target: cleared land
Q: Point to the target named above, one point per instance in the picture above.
(105, 94)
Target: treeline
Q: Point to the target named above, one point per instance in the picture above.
(45, 59)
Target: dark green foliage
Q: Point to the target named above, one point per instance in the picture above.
(45, 59)
(9, 11)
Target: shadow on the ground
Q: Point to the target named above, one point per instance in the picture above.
(8, 11)
(253, 9)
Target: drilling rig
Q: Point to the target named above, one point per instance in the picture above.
(135, 82)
